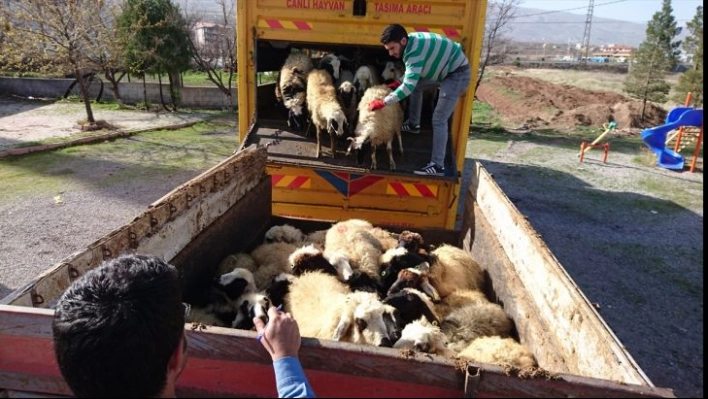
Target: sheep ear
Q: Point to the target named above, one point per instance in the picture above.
(361, 324)
(342, 328)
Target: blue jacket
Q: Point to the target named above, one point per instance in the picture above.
(290, 379)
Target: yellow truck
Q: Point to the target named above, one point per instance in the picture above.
(228, 209)
(328, 188)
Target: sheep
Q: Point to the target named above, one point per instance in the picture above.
(457, 299)
(414, 278)
(236, 283)
(350, 242)
(392, 71)
(238, 260)
(475, 320)
(308, 258)
(387, 239)
(451, 268)
(377, 127)
(325, 112)
(291, 86)
(284, 233)
(412, 305)
(365, 77)
(423, 336)
(499, 351)
(205, 315)
(393, 261)
(272, 259)
(251, 305)
(212, 307)
(348, 100)
(414, 242)
(331, 64)
(325, 308)
(279, 287)
(317, 238)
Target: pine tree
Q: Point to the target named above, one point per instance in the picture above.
(654, 58)
(692, 80)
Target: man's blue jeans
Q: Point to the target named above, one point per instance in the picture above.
(451, 88)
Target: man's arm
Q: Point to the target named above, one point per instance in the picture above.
(290, 379)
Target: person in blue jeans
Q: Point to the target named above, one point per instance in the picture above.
(431, 60)
(119, 332)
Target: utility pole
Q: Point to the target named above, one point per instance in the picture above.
(586, 34)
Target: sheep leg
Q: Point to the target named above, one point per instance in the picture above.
(319, 145)
(331, 142)
(389, 149)
(373, 156)
(400, 142)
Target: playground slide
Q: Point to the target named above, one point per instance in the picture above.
(655, 138)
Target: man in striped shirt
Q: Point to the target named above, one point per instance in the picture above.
(430, 60)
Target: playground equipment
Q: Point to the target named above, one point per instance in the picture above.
(584, 146)
(655, 138)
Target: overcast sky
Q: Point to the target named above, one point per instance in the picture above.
(626, 10)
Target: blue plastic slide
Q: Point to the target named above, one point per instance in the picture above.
(655, 138)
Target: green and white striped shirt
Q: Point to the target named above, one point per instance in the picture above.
(427, 56)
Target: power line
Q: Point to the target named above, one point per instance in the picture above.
(568, 9)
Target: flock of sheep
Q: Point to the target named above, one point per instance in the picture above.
(363, 284)
(334, 93)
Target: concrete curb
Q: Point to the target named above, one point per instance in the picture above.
(92, 139)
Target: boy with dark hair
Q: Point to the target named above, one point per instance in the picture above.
(119, 332)
(430, 60)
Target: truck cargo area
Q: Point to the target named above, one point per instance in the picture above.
(292, 146)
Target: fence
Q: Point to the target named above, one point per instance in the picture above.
(132, 93)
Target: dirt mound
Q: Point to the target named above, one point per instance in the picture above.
(534, 103)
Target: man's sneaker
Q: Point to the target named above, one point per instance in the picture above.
(408, 128)
(431, 169)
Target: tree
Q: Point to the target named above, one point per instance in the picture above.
(54, 35)
(155, 39)
(692, 80)
(499, 13)
(654, 58)
(216, 54)
(663, 30)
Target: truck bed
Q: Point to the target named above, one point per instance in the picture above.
(288, 146)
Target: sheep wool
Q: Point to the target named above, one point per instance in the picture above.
(458, 299)
(499, 351)
(423, 336)
(292, 83)
(238, 260)
(378, 127)
(475, 320)
(452, 268)
(272, 259)
(325, 112)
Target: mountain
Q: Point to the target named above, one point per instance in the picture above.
(563, 28)
(539, 26)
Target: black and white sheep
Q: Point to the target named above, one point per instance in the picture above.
(308, 258)
(348, 98)
(378, 127)
(292, 85)
(279, 287)
(412, 305)
(331, 64)
(325, 112)
(415, 278)
(393, 261)
(392, 71)
(499, 351)
(325, 308)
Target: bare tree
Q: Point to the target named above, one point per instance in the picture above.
(499, 13)
(55, 35)
(214, 46)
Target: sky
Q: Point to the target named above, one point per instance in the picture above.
(640, 11)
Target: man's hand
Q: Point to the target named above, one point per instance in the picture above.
(394, 85)
(376, 104)
(281, 336)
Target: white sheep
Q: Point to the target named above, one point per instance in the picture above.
(325, 308)
(238, 260)
(452, 268)
(292, 84)
(249, 306)
(423, 336)
(365, 77)
(499, 351)
(317, 238)
(272, 259)
(284, 233)
(330, 63)
(475, 320)
(350, 242)
(325, 112)
(377, 127)
(392, 70)
(458, 299)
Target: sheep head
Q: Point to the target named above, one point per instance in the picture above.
(367, 320)
(412, 305)
(250, 306)
(307, 259)
(235, 283)
(422, 336)
(396, 259)
(335, 124)
(284, 233)
(279, 288)
(414, 278)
